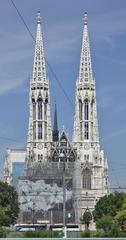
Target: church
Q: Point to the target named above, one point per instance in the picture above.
(52, 169)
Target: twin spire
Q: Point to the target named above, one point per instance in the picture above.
(39, 69)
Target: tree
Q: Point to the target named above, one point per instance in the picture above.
(104, 223)
(9, 206)
(109, 214)
(108, 205)
(86, 218)
(121, 216)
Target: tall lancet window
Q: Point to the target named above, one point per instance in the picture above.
(80, 110)
(39, 109)
(34, 130)
(34, 109)
(86, 110)
(86, 118)
(80, 116)
(39, 130)
(86, 179)
(86, 130)
(45, 109)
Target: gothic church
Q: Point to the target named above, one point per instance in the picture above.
(86, 168)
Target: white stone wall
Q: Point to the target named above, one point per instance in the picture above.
(12, 156)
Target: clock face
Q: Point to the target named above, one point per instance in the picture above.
(40, 146)
(86, 146)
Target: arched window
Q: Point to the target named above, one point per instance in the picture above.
(34, 130)
(86, 179)
(40, 157)
(80, 109)
(86, 130)
(34, 109)
(86, 110)
(39, 130)
(72, 157)
(55, 157)
(45, 130)
(86, 119)
(92, 105)
(39, 109)
(45, 109)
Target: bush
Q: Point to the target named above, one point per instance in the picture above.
(15, 234)
(30, 234)
(40, 234)
(122, 234)
(3, 232)
(86, 233)
(99, 233)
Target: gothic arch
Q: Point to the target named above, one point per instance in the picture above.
(86, 178)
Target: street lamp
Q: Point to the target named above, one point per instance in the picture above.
(62, 156)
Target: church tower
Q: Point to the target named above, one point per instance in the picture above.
(91, 166)
(39, 131)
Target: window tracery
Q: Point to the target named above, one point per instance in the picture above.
(86, 179)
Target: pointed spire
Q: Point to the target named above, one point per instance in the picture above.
(39, 70)
(55, 126)
(85, 74)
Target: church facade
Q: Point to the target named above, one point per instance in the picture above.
(48, 152)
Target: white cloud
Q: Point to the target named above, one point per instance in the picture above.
(10, 84)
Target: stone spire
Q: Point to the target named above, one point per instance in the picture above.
(85, 122)
(85, 73)
(39, 131)
(55, 126)
(91, 168)
(39, 70)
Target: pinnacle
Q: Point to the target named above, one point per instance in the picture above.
(38, 17)
(85, 18)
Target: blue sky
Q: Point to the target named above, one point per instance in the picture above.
(62, 27)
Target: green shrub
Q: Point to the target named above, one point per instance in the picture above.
(86, 233)
(30, 234)
(3, 232)
(15, 234)
(122, 234)
(40, 234)
(99, 233)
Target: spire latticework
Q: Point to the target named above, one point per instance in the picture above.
(39, 70)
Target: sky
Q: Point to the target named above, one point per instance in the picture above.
(62, 26)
